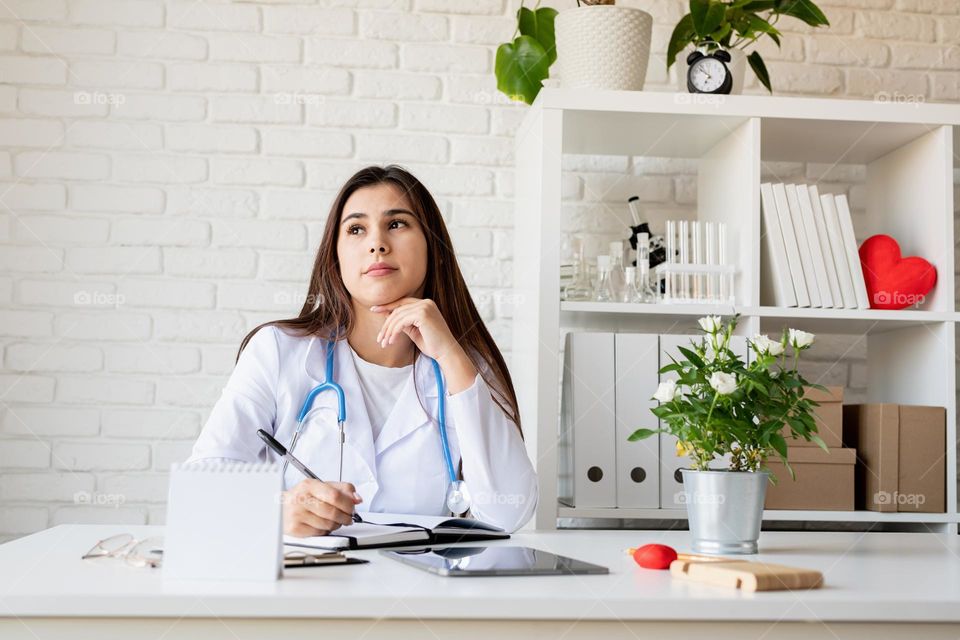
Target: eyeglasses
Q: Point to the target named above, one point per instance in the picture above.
(147, 552)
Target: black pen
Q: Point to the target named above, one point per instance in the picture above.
(289, 457)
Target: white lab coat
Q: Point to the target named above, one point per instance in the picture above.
(403, 471)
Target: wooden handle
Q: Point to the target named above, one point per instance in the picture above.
(691, 557)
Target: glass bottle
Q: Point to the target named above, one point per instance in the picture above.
(604, 292)
(631, 293)
(647, 291)
(617, 278)
(579, 288)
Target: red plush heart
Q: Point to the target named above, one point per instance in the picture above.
(894, 282)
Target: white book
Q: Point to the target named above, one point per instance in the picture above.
(394, 530)
(813, 238)
(803, 244)
(790, 243)
(853, 252)
(839, 252)
(812, 196)
(775, 274)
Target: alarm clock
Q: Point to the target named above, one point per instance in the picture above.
(708, 73)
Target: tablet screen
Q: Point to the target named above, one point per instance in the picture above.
(493, 561)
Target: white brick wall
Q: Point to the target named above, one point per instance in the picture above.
(166, 167)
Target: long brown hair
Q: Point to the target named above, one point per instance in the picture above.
(328, 310)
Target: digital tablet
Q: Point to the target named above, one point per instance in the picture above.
(493, 561)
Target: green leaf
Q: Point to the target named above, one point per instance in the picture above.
(804, 10)
(683, 34)
(692, 357)
(539, 25)
(757, 5)
(521, 67)
(707, 16)
(778, 443)
(759, 68)
(641, 434)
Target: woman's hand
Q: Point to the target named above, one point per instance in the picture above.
(315, 508)
(422, 322)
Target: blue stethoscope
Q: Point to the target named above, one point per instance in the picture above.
(458, 498)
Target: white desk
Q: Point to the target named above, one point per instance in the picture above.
(876, 584)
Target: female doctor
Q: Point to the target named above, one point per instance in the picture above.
(385, 296)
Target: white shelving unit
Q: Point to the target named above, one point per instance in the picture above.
(908, 151)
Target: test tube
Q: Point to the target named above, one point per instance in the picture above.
(685, 257)
(671, 258)
(697, 260)
(726, 282)
(711, 242)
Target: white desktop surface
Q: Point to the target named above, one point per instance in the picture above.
(868, 577)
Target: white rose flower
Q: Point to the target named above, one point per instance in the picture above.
(667, 391)
(723, 383)
(800, 339)
(776, 347)
(710, 324)
(761, 343)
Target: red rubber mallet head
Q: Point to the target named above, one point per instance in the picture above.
(654, 556)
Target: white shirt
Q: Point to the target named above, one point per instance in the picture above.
(403, 470)
(382, 387)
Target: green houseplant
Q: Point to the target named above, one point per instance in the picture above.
(722, 408)
(737, 24)
(523, 64)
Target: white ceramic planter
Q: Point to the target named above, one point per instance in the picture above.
(737, 65)
(603, 47)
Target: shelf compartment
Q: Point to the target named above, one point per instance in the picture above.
(768, 515)
(844, 321)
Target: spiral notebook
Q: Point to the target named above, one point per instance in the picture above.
(224, 522)
(396, 530)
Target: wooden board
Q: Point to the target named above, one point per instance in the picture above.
(747, 576)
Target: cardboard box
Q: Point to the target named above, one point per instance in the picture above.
(825, 480)
(829, 417)
(902, 461)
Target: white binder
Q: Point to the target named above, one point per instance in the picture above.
(638, 473)
(671, 481)
(588, 428)
(224, 522)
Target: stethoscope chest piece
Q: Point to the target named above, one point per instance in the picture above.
(458, 497)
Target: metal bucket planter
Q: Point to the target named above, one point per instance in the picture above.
(724, 509)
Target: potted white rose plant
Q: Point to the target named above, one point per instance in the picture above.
(726, 412)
